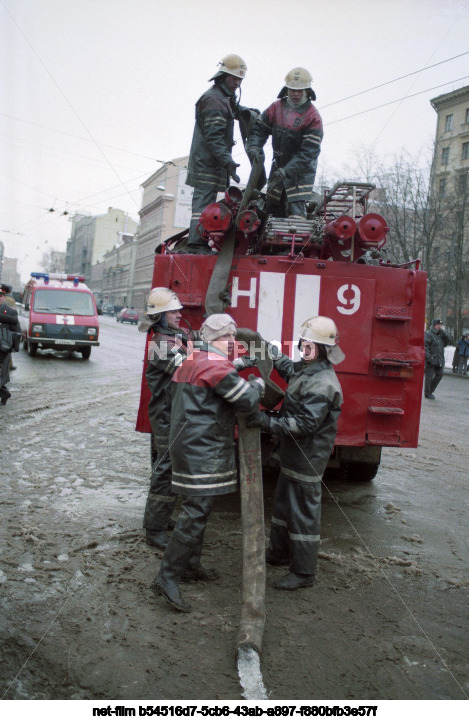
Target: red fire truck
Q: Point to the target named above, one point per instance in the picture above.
(280, 271)
(62, 314)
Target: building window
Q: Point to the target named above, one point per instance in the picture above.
(462, 184)
(445, 156)
(449, 122)
(442, 187)
(467, 115)
(465, 151)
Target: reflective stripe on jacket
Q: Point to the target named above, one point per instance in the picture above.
(296, 142)
(212, 140)
(167, 349)
(206, 391)
(307, 425)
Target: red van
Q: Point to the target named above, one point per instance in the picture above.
(62, 314)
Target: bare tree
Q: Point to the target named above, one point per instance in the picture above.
(426, 222)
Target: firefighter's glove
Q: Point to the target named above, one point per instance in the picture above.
(255, 154)
(231, 168)
(277, 178)
(258, 419)
(258, 384)
(245, 361)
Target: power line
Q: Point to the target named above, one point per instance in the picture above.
(389, 82)
(68, 101)
(81, 137)
(391, 102)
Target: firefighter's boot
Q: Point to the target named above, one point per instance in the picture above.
(159, 539)
(166, 583)
(293, 581)
(194, 571)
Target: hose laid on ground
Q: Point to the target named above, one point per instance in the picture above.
(252, 621)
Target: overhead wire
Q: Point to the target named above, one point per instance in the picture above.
(99, 146)
(394, 80)
(391, 102)
(39, 59)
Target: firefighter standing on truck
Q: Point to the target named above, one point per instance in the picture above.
(167, 349)
(296, 129)
(306, 429)
(207, 392)
(211, 164)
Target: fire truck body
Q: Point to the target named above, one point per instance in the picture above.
(62, 314)
(290, 270)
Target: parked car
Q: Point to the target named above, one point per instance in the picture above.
(128, 315)
(108, 309)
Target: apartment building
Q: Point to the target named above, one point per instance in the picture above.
(450, 192)
(165, 211)
(451, 154)
(93, 236)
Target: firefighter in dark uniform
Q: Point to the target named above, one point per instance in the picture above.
(167, 349)
(296, 129)
(207, 392)
(306, 429)
(8, 321)
(436, 339)
(210, 161)
(9, 301)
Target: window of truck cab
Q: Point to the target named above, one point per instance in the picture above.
(62, 301)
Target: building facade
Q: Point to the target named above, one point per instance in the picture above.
(165, 211)
(93, 236)
(450, 192)
(118, 268)
(10, 275)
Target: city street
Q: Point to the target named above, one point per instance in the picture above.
(386, 619)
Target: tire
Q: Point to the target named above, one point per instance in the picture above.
(359, 472)
(86, 352)
(32, 349)
(335, 474)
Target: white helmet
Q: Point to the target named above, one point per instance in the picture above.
(319, 329)
(161, 300)
(298, 79)
(232, 65)
(322, 330)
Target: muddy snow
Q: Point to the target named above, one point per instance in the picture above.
(386, 618)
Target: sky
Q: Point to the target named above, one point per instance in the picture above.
(95, 94)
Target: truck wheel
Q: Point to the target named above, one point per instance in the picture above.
(86, 352)
(335, 474)
(359, 472)
(32, 349)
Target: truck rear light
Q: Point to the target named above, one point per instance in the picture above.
(393, 365)
(394, 371)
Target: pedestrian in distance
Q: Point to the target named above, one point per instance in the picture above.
(306, 429)
(463, 351)
(211, 164)
(296, 129)
(167, 348)
(207, 392)
(436, 339)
